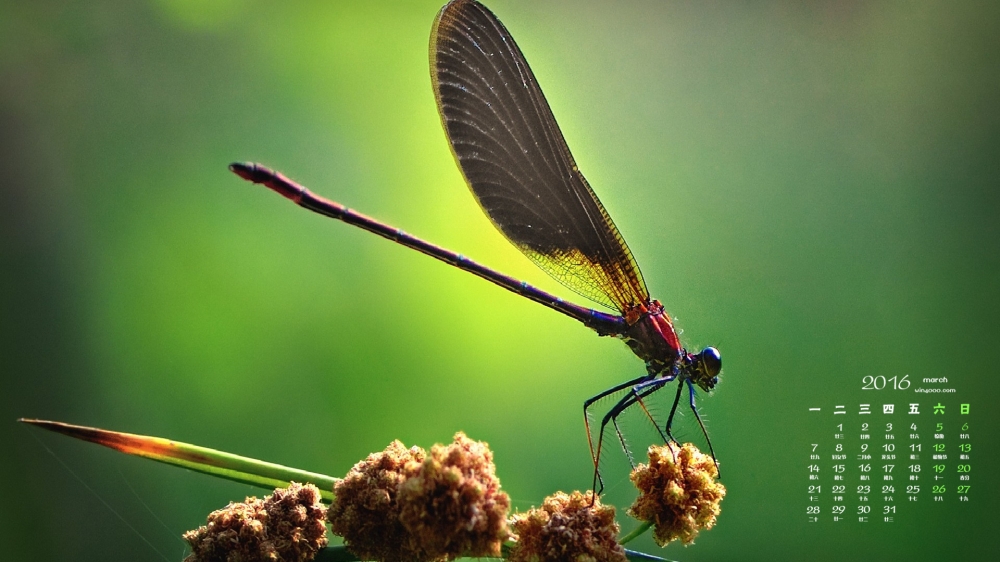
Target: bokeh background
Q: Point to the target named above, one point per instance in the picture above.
(811, 187)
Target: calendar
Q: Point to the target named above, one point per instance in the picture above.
(881, 461)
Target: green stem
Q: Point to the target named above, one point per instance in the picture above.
(636, 532)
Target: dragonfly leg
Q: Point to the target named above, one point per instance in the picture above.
(673, 410)
(595, 456)
(654, 386)
(638, 393)
(641, 389)
(670, 419)
(621, 439)
(635, 396)
(704, 432)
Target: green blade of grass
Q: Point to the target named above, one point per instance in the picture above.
(200, 459)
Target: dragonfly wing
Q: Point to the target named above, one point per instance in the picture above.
(516, 161)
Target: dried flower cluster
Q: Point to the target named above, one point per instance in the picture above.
(365, 511)
(286, 526)
(678, 493)
(405, 505)
(567, 527)
(454, 504)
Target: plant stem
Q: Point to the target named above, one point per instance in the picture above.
(636, 532)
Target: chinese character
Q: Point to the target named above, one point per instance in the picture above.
(865, 409)
(964, 409)
(888, 408)
(914, 408)
(839, 410)
(939, 409)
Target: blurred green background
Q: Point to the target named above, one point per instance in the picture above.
(811, 188)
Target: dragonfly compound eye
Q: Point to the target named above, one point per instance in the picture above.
(711, 361)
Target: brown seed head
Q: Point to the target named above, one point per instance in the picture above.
(453, 505)
(366, 509)
(567, 527)
(678, 493)
(286, 526)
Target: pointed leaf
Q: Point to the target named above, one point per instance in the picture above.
(200, 459)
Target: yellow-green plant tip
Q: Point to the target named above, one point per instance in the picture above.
(199, 459)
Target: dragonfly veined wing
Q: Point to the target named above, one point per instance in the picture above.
(517, 163)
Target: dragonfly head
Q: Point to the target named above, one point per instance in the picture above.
(707, 366)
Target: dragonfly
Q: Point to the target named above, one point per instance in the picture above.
(518, 166)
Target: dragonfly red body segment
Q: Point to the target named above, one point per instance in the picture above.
(520, 170)
(274, 180)
(651, 334)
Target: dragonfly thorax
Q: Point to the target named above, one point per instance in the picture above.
(652, 337)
